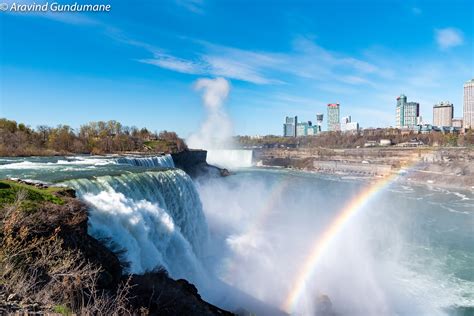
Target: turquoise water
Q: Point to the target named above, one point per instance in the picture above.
(409, 251)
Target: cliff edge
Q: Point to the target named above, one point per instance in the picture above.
(194, 163)
(50, 264)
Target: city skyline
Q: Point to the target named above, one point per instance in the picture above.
(138, 64)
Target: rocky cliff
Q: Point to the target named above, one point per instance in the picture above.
(194, 163)
(50, 264)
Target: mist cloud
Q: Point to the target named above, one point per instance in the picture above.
(216, 130)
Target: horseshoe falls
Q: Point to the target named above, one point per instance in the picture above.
(230, 158)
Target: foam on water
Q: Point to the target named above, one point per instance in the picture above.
(165, 161)
(156, 217)
(401, 256)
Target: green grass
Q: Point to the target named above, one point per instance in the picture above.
(34, 196)
(160, 145)
(62, 309)
(154, 144)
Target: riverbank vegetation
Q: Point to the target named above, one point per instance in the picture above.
(354, 140)
(18, 139)
(49, 264)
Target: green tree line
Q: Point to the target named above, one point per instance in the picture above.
(18, 139)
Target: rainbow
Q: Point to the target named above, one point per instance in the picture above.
(324, 240)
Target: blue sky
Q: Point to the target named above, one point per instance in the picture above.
(138, 63)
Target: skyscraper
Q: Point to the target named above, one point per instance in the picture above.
(468, 110)
(443, 114)
(333, 117)
(303, 127)
(289, 127)
(407, 113)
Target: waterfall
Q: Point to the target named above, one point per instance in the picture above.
(230, 158)
(155, 216)
(165, 161)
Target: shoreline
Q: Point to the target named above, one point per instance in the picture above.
(400, 178)
(449, 168)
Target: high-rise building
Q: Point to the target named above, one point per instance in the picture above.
(302, 128)
(348, 126)
(333, 117)
(468, 110)
(289, 127)
(443, 114)
(407, 113)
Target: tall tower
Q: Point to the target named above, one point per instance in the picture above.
(401, 101)
(333, 117)
(443, 114)
(289, 127)
(408, 113)
(468, 110)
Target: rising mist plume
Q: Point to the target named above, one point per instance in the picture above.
(216, 130)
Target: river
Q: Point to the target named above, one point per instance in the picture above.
(272, 240)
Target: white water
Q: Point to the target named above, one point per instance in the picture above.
(399, 256)
(156, 217)
(230, 158)
(165, 161)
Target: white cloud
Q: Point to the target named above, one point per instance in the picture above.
(307, 60)
(219, 60)
(176, 64)
(448, 37)
(236, 69)
(251, 66)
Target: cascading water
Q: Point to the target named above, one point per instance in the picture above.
(165, 161)
(230, 158)
(409, 250)
(156, 217)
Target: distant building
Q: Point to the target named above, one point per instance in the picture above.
(468, 110)
(303, 128)
(443, 114)
(408, 113)
(351, 127)
(289, 127)
(385, 142)
(314, 130)
(457, 122)
(333, 117)
(345, 120)
(319, 122)
(348, 126)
